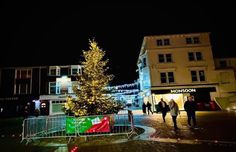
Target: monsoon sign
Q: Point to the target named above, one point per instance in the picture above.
(182, 90)
(91, 124)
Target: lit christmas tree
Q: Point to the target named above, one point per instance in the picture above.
(92, 98)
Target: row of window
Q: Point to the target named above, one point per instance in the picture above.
(167, 58)
(192, 56)
(23, 88)
(53, 71)
(23, 73)
(54, 88)
(168, 77)
(57, 71)
(57, 88)
(188, 40)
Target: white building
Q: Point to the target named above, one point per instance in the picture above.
(176, 66)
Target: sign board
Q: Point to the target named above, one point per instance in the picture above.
(182, 90)
(90, 124)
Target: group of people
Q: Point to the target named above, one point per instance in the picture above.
(147, 107)
(190, 107)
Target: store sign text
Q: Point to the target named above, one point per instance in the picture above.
(182, 90)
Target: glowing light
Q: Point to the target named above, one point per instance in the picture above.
(75, 149)
(123, 86)
(64, 77)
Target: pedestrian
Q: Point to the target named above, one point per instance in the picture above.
(190, 107)
(163, 108)
(144, 108)
(149, 105)
(174, 112)
(26, 112)
(36, 112)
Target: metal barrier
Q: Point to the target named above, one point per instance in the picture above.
(63, 126)
(45, 127)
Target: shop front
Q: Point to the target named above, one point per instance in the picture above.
(203, 96)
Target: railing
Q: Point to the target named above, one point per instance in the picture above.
(62, 126)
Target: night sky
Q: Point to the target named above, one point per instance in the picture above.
(39, 33)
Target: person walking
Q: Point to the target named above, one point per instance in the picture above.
(163, 108)
(174, 112)
(149, 107)
(190, 107)
(144, 108)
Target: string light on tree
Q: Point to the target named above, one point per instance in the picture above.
(92, 86)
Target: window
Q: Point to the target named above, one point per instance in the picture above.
(171, 77)
(29, 74)
(198, 76)
(17, 89)
(22, 88)
(195, 56)
(192, 40)
(163, 78)
(56, 107)
(64, 71)
(164, 58)
(167, 77)
(194, 76)
(190, 56)
(70, 89)
(54, 71)
(223, 63)
(74, 71)
(188, 40)
(18, 74)
(161, 58)
(166, 42)
(198, 56)
(144, 62)
(196, 40)
(159, 42)
(54, 88)
(23, 73)
(168, 58)
(201, 75)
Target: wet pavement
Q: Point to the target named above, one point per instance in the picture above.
(215, 132)
(213, 126)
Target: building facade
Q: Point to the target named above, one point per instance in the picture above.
(46, 88)
(176, 66)
(37, 87)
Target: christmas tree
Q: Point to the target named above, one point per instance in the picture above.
(92, 97)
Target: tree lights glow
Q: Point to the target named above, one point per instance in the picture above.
(91, 93)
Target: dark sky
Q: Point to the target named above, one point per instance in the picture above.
(39, 33)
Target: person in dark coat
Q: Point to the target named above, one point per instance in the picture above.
(190, 107)
(144, 108)
(26, 112)
(149, 107)
(163, 108)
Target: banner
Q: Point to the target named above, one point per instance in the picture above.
(90, 124)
